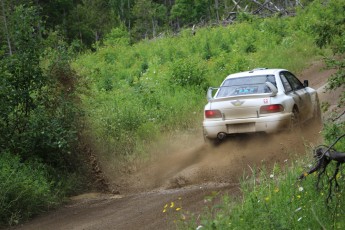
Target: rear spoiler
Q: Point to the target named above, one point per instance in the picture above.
(273, 92)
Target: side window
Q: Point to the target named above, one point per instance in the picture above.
(295, 83)
(285, 82)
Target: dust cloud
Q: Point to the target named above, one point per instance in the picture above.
(187, 160)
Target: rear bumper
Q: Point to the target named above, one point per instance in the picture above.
(267, 124)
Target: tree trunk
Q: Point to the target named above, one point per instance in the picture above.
(216, 6)
(6, 28)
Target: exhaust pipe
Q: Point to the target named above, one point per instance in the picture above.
(221, 136)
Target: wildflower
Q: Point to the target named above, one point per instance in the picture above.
(271, 176)
(166, 205)
(299, 219)
(164, 210)
(178, 209)
(305, 174)
(298, 196)
(276, 190)
(172, 204)
(300, 189)
(199, 227)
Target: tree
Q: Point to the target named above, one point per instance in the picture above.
(122, 9)
(90, 21)
(181, 12)
(21, 75)
(149, 17)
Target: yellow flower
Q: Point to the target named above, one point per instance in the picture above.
(178, 209)
(267, 198)
(164, 210)
(276, 190)
(172, 204)
(298, 196)
(166, 205)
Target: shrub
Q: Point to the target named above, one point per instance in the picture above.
(25, 189)
(188, 72)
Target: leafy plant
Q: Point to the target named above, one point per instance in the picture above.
(25, 189)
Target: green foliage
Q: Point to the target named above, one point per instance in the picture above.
(276, 200)
(150, 18)
(329, 23)
(25, 189)
(331, 132)
(187, 72)
(116, 36)
(38, 128)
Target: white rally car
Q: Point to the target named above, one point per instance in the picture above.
(260, 100)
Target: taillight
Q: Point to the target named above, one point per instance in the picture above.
(213, 114)
(271, 108)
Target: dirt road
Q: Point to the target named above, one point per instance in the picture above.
(184, 177)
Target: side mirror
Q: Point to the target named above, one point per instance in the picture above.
(273, 89)
(305, 83)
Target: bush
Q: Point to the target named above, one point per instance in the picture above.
(188, 72)
(25, 189)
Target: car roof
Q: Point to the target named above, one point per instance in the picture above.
(255, 72)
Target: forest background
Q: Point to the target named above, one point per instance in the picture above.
(117, 74)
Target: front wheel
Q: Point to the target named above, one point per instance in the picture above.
(295, 120)
(317, 119)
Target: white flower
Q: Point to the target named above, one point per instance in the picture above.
(271, 176)
(299, 219)
(300, 189)
(199, 227)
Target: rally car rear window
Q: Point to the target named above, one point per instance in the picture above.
(246, 86)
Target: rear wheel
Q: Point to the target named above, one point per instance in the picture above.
(210, 141)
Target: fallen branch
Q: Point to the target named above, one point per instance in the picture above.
(324, 155)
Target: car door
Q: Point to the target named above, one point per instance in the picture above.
(297, 91)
